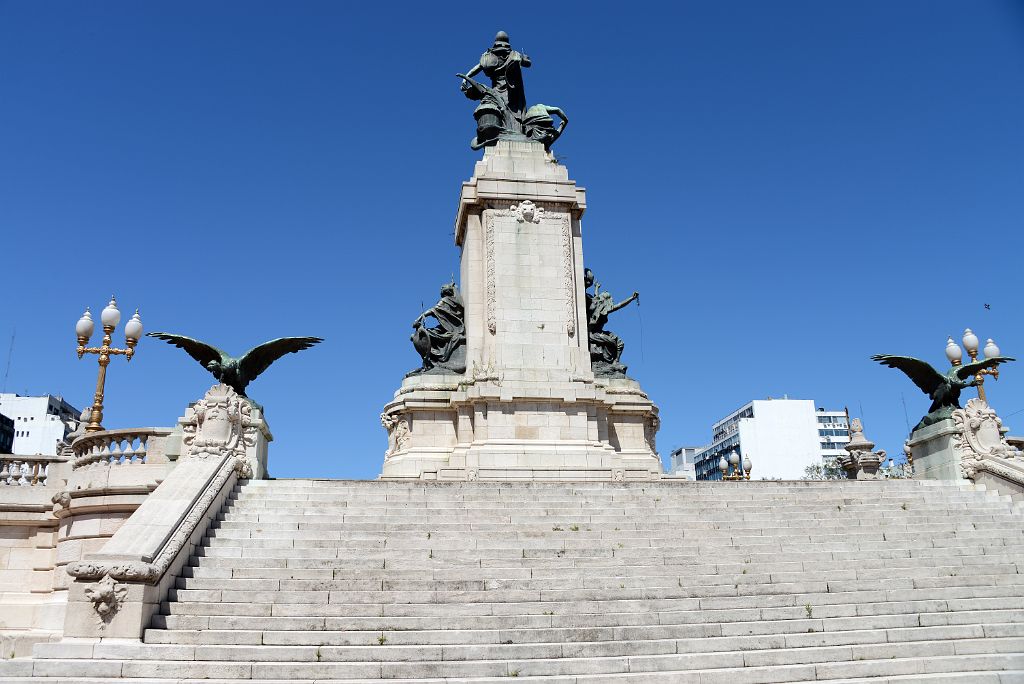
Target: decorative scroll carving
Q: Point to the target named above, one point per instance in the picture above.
(150, 573)
(568, 271)
(106, 596)
(979, 439)
(220, 424)
(490, 293)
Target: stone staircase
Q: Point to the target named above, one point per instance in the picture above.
(709, 583)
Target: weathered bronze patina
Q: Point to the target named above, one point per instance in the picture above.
(237, 373)
(605, 346)
(443, 346)
(943, 389)
(502, 112)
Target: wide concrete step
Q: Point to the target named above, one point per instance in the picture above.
(789, 665)
(688, 638)
(479, 579)
(629, 623)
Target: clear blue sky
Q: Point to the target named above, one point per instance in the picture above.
(791, 186)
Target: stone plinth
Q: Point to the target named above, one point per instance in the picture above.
(933, 452)
(528, 406)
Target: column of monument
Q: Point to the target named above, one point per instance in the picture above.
(520, 379)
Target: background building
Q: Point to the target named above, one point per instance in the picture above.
(6, 435)
(681, 462)
(781, 436)
(39, 422)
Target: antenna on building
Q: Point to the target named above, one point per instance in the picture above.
(905, 416)
(10, 351)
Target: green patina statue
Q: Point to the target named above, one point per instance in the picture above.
(605, 346)
(502, 111)
(943, 389)
(237, 373)
(442, 346)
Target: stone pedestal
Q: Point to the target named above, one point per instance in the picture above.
(529, 405)
(934, 455)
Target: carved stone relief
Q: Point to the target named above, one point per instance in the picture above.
(106, 596)
(568, 271)
(979, 437)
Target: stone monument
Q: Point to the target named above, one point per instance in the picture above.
(520, 380)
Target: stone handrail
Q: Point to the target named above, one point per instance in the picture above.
(26, 471)
(116, 447)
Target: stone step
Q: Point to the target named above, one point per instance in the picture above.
(688, 638)
(585, 578)
(712, 676)
(414, 568)
(732, 623)
(379, 648)
(842, 604)
(805, 664)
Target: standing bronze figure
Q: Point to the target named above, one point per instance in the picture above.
(502, 111)
(605, 346)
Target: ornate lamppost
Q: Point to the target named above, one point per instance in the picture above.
(970, 340)
(735, 468)
(109, 318)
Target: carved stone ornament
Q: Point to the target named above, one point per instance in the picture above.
(472, 475)
(106, 596)
(568, 269)
(62, 499)
(220, 424)
(979, 437)
(398, 433)
(527, 212)
(859, 460)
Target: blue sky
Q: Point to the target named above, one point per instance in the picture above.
(791, 186)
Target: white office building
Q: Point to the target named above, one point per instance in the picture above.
(39, 422)
(681, 462)
(781, 436)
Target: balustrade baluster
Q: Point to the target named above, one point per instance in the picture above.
(130, 454)
(5, 473)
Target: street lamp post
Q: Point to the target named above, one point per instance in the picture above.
(970, 340)
(109, 318)
(735, 467)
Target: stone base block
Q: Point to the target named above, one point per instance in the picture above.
(933, 452)
(458, 429)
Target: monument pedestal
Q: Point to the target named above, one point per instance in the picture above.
(529, 405)
(935, 456)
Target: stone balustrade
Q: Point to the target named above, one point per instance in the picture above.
(26, 471)
(116, 447)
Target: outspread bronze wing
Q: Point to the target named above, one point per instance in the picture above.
(200, 351)
(920, 372)
(968, 370)
(258, 359)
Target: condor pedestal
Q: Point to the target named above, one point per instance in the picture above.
(528, 406)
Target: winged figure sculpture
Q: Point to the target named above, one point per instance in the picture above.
(237, 373)
(943, 388)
